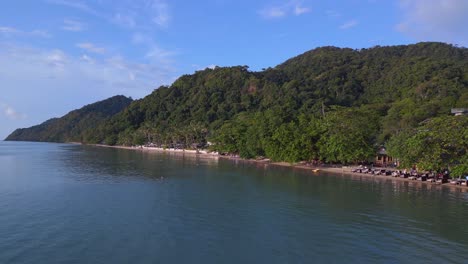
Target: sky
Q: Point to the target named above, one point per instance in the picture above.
(59, 55)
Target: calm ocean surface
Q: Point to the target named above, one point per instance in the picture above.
(76, 204)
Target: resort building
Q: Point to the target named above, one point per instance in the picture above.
(459, 111)
(382, 159)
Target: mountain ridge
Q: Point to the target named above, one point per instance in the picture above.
(295, 110)
(73, 123)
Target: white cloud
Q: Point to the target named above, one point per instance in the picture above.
(87, 59)
(57, 70)
(11, 113)
(10, 31)
(299, 10)
(124, 20)
(58, 82)
(154, 53)
(159, 54)
(125, 13)
(349, 24)
(141, 14)
(201, 68)
(291, 7)
(438, 20)
(56, 59)
(73, 25)
(75, 4)
(39, 33)
(273, 12)
(90, 47)
(160, 13)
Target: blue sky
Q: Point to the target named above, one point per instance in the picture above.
(58, 55)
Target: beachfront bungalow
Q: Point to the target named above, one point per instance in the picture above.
(382, 159)
(459, 111)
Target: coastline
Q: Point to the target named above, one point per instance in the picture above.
(341, 171)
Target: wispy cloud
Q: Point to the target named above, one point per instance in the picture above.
(39, 33)
(161, 15)
(289, 8)
(76, 4)
(332, 14)
(299, 10)
(201, 68)
(11, 31)
(90, 47)
(88, 59)
(61, 73)
(438, 20)
(56, 60)
(349, 24)
(68, 81)
(159, 54)
(11, 113)
(140, 14)
(128, 14)
(8, 30)
(124, 20)
(73, 25)
(273, 12)
(155, 53)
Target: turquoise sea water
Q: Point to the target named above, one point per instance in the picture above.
(76, 204)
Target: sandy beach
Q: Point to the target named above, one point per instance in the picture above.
(343, 171)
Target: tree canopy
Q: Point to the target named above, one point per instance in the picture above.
(76, 126)
(332, 104)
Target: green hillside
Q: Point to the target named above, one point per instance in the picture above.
(331, 104)
(75, 125)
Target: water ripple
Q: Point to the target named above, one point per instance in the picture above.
(78, 204)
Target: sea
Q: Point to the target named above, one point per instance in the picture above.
(64, 203)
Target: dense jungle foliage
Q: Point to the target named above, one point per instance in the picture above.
(329, 104)
(74, 126)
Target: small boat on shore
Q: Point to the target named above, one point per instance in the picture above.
(422, 178)
(439, 179)
(464, 182)
(455, 181)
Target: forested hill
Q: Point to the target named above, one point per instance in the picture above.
(75, 125)
(332, 104)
